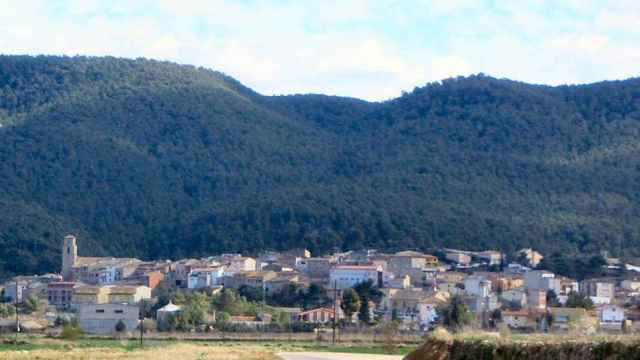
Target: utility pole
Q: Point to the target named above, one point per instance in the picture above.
(335, 310)
(264, 304)
(141, 327)
(15, 304)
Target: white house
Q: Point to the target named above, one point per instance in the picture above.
(611, 317)
(205, 277)
(347, 276)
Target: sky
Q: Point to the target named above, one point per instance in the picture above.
(372, 50)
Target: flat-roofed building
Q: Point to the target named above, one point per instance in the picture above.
(103, 318)
(347, 276)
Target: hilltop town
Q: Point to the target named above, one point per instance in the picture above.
(295, 291)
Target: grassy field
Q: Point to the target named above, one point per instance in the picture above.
(88, 348)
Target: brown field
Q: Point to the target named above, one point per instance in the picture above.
(169, 352)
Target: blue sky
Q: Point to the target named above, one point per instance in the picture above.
(366, 49)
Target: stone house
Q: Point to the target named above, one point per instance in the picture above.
(60, 294)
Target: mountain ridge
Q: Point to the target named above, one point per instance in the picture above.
(153, 159)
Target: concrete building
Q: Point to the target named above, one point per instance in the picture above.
(541, 280)
(103, 318)
(347, 276)
(477, 286)
(537, 299)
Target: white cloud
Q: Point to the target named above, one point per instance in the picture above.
(356, 48)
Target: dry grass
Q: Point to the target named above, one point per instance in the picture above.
(171, 352)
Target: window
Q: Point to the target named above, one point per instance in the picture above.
(118, 311)
(99, 311)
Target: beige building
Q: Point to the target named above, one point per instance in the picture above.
(242, 264)
(91, 295)
(129, 294)
(533, 257)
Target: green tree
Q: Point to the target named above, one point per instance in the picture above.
(577, 300)
(455, 315)
(350, 303)
(364, 313)
(31, 305)
(71, 330)
(7, 310)
(552, 299)
(121, 326)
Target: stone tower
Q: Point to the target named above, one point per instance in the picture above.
(69, 256)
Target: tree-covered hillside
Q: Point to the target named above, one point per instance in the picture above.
(155, 160)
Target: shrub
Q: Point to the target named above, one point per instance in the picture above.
(121, 326)
(71, 331)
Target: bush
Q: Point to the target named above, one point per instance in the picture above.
(71, 331)
(121, 326)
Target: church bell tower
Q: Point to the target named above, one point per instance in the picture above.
(69, 256)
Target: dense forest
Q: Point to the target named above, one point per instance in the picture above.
(157, 160)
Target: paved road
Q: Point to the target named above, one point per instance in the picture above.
(335, 356)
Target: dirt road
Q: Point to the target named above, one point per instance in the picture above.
(335, 356)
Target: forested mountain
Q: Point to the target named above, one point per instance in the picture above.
(158, 160)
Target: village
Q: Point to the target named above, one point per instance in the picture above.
(295, 291)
